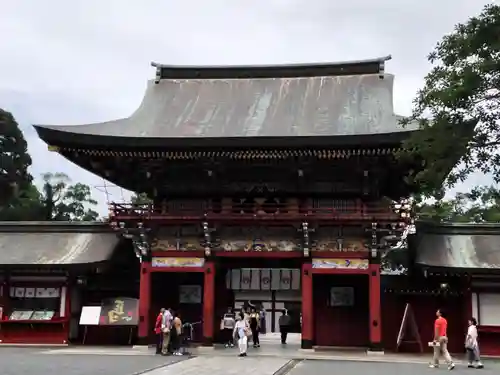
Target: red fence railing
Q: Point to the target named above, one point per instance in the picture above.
(131, 211)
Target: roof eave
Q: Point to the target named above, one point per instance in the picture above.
(354, 67)
(63, 138)
(381, 59)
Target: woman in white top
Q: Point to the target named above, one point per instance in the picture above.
(240, 330)
(472, 345)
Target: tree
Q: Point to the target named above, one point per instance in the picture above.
(17, 192)
(65, 202)
(458, 109)
(141, 198)
(481, 205)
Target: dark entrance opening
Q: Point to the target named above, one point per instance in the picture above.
(270, 285)
(182, 292)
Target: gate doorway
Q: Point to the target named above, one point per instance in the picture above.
(270, 291)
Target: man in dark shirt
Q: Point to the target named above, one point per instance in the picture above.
(284, 323)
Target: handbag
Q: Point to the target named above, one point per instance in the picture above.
(469, 345)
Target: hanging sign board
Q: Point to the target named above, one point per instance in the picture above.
(90, 315)
(119, 312)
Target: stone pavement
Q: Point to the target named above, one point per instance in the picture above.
(364, 368)
(225, 366)
(287, 352)
(31, 361)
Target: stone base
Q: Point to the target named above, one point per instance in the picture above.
(306, 344)
(142, 341)
(208, 341)
(375, 349)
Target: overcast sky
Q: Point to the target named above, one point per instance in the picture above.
(80, 61)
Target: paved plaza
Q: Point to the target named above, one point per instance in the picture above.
(124, 361)
(31, 361)
(23, 361)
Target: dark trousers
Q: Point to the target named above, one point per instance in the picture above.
(284, 334)
(255, 336)
(175, 342)
(159, 343)
(227, 336)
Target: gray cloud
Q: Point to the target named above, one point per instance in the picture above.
(69, 62)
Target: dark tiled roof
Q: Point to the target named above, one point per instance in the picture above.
(467, 246)
(55, 244)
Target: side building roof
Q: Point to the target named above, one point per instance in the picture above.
(460, 246)
(208, 106)
(55, 243)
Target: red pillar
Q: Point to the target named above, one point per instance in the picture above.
(208, 304)
(375, 308)
(307, 307)
(144, 303)
(467, 295)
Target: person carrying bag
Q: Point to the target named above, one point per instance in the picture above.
(242, 330)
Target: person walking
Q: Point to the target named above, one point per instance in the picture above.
(255, 327)
(158, 331)
(472, 346)
(241, 332)
(263, 323)
(175, 334)
(227, 327)
(166, 325)
(284, 323)
(440, 342)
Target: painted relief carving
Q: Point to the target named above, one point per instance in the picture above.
(339, 244)
(258, 239)
(256, 245)
(176, 244)
(337, 239)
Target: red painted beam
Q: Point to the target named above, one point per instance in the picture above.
(278, 219)
(179, 254)
(177, 269)
(490, 329)
(258, 254)
(339, 271)
(340, 254)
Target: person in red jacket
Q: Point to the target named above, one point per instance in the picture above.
(158, 331)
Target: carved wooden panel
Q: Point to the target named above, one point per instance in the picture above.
(336, 238)
(187, 237)
(258, 239)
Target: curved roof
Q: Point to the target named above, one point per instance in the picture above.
(368, 66)
(55, 243)
(187, 109)
(461, 245)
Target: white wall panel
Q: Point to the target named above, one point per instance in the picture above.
(489, 309)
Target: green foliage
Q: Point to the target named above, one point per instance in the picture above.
(458, 108)
(481, 205)
(15, 181)
(141, 198)
(65, 202)
(20, 200)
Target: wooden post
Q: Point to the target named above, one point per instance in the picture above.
(307, 307)
(209, 304)
(375, 308)
(144, 304)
